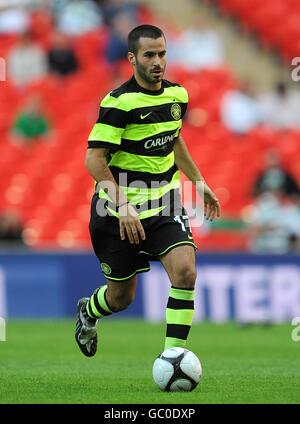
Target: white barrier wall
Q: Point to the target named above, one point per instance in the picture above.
(246, 288)
(2, 294)
(246, 293)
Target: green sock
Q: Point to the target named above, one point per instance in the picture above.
(179, 316)
(97, 306)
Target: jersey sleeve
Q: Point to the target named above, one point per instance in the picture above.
(111, 123)
(185, 101)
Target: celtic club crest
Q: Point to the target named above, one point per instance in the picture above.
(105, 268)
(176, 111)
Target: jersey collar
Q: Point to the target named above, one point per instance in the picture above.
(144, 90)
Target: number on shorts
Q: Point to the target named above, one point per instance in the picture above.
(183, 220)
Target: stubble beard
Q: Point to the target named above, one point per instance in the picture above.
(147, 76)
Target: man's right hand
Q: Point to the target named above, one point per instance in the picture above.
(130, 224)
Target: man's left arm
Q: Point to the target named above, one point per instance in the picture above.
(186, 164)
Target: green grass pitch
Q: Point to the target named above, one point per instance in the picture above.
(40, 363)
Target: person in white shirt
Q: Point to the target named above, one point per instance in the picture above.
(200, 47)
(281, 107)
(240, 110)
(26, 61)
(274, 224)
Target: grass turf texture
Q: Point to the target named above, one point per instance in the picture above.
(40, 363)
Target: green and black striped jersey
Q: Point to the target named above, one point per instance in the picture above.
(140, 127)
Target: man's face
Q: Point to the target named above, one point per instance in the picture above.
(151, 59)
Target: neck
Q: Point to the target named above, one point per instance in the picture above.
(147, 85)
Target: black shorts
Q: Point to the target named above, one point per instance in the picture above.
(121, 260)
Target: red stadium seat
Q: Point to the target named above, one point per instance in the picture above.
(49, 182)
(265, 18)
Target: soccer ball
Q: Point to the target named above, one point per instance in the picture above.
(177, 370)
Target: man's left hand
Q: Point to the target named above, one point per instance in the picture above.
(211, 204)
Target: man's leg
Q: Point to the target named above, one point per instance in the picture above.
(180, 265)
(110, 298)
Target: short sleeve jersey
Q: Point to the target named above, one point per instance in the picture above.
(139, 127)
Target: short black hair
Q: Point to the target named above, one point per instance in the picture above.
(149, 31)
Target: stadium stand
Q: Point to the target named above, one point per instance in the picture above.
(49, 184)
(265, 20)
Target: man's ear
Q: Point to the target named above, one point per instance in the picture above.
(131, 58)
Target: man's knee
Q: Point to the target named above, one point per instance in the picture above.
(185, 277)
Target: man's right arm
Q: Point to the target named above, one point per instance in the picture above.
(96, 164)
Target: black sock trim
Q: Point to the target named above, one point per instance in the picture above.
(181, 288)
(178, 331)
(180, 304)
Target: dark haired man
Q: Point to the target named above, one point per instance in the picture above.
(137, 140)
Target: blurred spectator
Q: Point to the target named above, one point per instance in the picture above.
(240, 111)
(26, 61)
(112, 8)
(197, 47)
(274, 225)
(275, 177)
(79, 16)
(30, 123)
(61, 56)
(281, 107)
(117, 43)
(10, 229)
(117, 49)
(14, 18)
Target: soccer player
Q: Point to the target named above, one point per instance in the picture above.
(134, 154)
